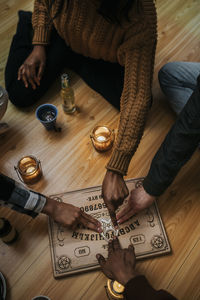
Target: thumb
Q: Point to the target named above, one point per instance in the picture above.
(128, 214)
(101, 259)
(131, 247)
(123, 211)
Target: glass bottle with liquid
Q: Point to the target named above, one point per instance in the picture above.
(67, 95)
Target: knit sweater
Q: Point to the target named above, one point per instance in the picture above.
(132, 44)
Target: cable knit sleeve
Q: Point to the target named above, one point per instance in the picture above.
(135, 103)
(137, 54)
(41, 22)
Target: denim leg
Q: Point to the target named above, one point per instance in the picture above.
(178, 81)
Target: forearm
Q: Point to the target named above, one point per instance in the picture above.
(139, 288)
(17, 197)
(49, 207)
(135, 104)
(42, 23)
(177, 148)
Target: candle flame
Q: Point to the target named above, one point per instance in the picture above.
(101, 138)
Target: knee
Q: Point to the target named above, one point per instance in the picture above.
(20, 96)
(165, 74)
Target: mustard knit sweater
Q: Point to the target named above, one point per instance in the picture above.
(132, 44)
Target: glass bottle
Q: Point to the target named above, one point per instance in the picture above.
(67, 95)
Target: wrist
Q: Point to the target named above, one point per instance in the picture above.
(112, 173)
(146, 194)
(49, 207)
(39, 48)
(125, 278)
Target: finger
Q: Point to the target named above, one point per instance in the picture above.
(123, 211)
(37, 81)
(116, 244)
(112, 214)
(88, 224)
(92, 220)
(102, 262)
(127, 216)
(101, 259)
(110, 246)
(33, 75)
(131, 248)
(111, 210)
(19, 73)
(30, 78)
(32, 83)
(114, 220)
(23, 77)
(40, 71)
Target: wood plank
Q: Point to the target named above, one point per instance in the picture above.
(189, 269)
(70, 162)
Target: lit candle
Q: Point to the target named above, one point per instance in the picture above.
(29, 169)
(102, 138)
(115, 289)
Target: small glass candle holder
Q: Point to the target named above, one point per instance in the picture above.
(115, 289)
(102, 138)
(29, 169)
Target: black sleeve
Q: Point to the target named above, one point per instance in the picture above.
(177, 148)
(140, 289)
(19, 198)
(7, 186)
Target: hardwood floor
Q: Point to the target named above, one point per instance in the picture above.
(70, 162)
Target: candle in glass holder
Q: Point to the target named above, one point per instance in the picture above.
(115, 289)
(29, 169)
(102, 138)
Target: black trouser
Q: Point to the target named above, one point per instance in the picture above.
(104, 77)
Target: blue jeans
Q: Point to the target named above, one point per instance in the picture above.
(178, 81)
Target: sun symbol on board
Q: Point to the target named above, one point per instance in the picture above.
(157, 242)
(63, 262)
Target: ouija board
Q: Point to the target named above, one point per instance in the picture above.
(75, 251)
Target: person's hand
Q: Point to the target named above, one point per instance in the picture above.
(30, 72)
(69, 215)
(114, 191)
(138, 200)
(120, 264)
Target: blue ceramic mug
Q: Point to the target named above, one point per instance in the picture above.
(47, 114)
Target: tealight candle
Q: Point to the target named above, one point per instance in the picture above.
(29, 169)
(115, 289)
(102, 138)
